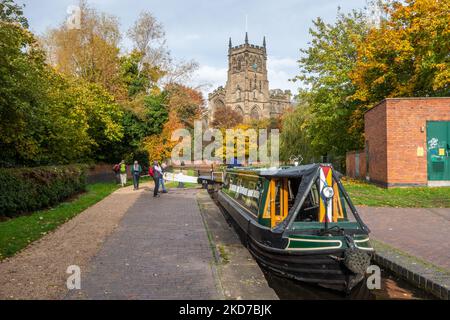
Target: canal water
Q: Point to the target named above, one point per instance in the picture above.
(392, 287)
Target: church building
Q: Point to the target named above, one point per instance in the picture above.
(247, 88)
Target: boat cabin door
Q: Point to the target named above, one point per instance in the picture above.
(277, 206)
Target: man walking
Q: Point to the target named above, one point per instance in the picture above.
(156, 173)
(123, 173)
(136, 172)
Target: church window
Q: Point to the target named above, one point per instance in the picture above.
(255, 113)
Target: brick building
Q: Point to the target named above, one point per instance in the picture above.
(407, 143)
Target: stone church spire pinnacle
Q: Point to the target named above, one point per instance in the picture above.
(229, 43)
(246, 37)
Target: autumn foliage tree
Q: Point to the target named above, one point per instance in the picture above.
(407, 56)
(74, 96)
(353, 63)
(226, 117)
(184, 105)
(90, 52)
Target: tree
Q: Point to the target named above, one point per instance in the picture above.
(177, 107)
(148, 37)
(47, 117)
(157, 113)
(11, 12)
(325, 72)
(149, 40)
(408, 55)
(91, 52)
(186, 102)
(23, 84)
(139, 78)
(225, 117)
(103, 116)
(294, 138)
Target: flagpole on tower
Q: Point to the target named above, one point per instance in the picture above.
(246, 22)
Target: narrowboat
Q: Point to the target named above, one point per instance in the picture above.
(299, 222)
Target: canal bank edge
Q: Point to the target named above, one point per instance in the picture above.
(238, 275)
(419, 273)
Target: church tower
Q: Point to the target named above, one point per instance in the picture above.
(247, 88)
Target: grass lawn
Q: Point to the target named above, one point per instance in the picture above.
(17, 233)
(366, 194)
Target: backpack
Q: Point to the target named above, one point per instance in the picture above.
(116, 168)
(151, 171)
(123, 168)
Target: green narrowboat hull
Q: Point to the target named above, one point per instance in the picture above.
(296, 254)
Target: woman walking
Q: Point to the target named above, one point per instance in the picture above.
(136, 173)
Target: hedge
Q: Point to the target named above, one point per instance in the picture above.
(28, 189)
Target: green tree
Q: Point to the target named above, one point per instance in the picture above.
(294, 138)
(325, 72)
(11, 12)
(156, 113)
(139, 77)
(22, 91)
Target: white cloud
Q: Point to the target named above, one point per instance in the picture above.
(209, 78)
(275, 62)
(280, 70)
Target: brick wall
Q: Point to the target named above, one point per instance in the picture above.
(405, 166)
(394, 130)
(350, 164)
(376, 133)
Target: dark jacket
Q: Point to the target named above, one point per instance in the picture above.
(138, 171)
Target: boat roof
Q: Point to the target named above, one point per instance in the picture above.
(283, 172)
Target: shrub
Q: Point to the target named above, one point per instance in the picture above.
(28, 189)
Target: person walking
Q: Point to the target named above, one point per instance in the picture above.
(161, 181)
(116, 170)
(156, 173)
(123, 173)
(136, 173)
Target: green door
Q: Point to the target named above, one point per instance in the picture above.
(438, 150)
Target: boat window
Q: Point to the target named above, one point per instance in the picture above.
(245, 189)
(314, 208)
(309, 211)
(293, 185)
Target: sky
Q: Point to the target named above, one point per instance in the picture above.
(200, 29)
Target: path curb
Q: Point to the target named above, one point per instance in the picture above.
(423, 275)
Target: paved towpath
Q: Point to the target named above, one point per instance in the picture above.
(421, 232)
(159, 251)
